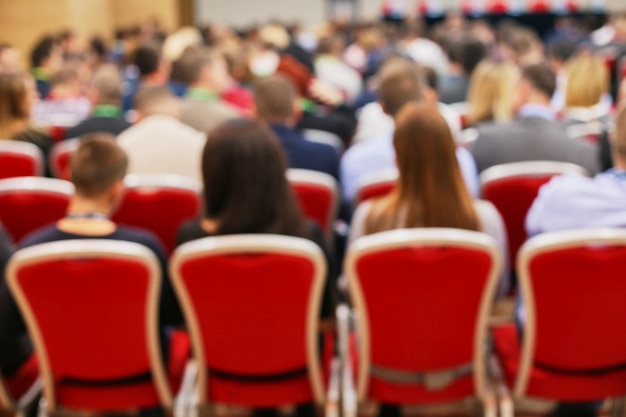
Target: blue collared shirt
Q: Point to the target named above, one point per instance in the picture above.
(537, 110)
(377, 155)
(576, 202)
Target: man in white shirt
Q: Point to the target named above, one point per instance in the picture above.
(159, 143)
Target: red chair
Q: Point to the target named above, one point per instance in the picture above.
(316, 193)
(59, 158)
(160, 204)
(91, 308)
(376, 185)
(574, 296)
(253, 320)
(422, 298)
(27, 204)
(513, 187)
(20, 159)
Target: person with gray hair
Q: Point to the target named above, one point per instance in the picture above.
(105, 94)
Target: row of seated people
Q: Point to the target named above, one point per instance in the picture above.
(242, 180)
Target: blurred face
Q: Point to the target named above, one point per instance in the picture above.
(55, 60)
(10, 60)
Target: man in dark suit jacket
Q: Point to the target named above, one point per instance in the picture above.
(105, 96)
(533, 135)
(275, 104)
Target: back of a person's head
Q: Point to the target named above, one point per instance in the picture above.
(147, 58)
(541, 78)
(587, 81)
(106, 80)
(399, 83)
(42, 51)
(523, 40)
(431, 191)
(97, 165)
(430, 77)
(245, 187)
(13, 100)
(66, 75)
(491, 90)
(194, 62)
(274, 99)
(562, 50)
(151, 100)
(472, 52)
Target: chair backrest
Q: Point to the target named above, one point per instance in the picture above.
(59, 158)
(20, 159)
(160, 204)
(322, 136)
(513, 187)
(422, 298)
(316, 193)
(375, 185)
(574, 296)
(253, 319)
(90, 307)
(27, 204)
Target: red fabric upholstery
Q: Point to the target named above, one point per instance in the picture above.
(14, 164)
(160, 210)
(57, 133)
(375, 190)
(513, 198)
(99, 334)
(60, 165)
(316, 202)
(252, 311)
(422, 305)
(19, 383)
(575, 330)
(25, 211)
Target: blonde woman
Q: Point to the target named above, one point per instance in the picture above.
(490, 95)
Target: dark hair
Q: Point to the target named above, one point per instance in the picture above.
(400, 82)
(146, 58)
(245, 186)
(98, 46)
(42, 51)
(274, 98)
(97, 164)
(542, 77)
(430, 77)
(472, 52)
(562, 49)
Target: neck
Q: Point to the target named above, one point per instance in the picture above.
(538, 99)
(619, 163)
(82, 205)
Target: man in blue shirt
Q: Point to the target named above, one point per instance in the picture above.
(400, 82)
(275, 104)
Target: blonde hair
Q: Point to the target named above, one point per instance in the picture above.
(490, 95)
(587, 81)
(13, 97)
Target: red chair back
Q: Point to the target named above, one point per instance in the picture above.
(253, 319)
(573, 347)
(59, 158)
(27, 204)
(513, 187)
(160, 204)
(20, 159)
(376, 185)
(316, 193)
(422, 298)
(91, 309)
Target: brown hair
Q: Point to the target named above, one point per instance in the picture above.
(618, 137)
(97, 164)
(430, 190)
(13, 96)
(245, 187)
(274, 99)
(400, 82)
(541, 77)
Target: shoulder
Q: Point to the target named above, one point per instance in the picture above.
(190, 230)
(44, 235)
(144, 237)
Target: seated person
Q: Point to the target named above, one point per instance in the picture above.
(275, 104)
(104, 92)
(97, 169)
(246, 191)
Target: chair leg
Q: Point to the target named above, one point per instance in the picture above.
(42, 409)
(503, 395)
(183, 401)
(618, 407)
(348, 395)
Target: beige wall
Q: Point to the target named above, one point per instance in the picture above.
(23, 22)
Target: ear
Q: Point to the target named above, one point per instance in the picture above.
(382, 106)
